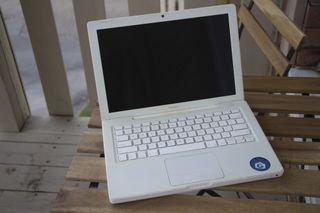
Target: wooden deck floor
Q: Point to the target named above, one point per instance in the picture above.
(33, 163)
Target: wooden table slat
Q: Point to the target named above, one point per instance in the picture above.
(281, 84)
(293, 182)
(284, 103)
(290, 127)
(75, 200)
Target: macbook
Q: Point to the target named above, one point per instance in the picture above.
(171, 98)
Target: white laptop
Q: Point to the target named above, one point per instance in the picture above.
(170, 92)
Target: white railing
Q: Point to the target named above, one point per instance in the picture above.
(43, 34)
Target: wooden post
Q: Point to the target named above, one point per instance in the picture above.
(44, 39)
(85, 11)
(14, 109)
(139, 7)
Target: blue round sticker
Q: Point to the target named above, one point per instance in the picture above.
(260, 164)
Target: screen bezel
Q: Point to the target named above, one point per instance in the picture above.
(155, 18)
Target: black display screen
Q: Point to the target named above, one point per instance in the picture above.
(167, 62)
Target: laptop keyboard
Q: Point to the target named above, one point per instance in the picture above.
(193, 132)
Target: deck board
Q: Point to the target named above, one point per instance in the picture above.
(33, 163)
(80, 200)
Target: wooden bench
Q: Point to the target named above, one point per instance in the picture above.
(281, 129)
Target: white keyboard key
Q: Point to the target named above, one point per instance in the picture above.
(171, 143)
(172, 125)
(143, 135)
(164, 121)
(155, 122)
(240, 120)
(226, 112)
(231, 122)
(187, 128)
(214, 124)
(227, 128)
(240, 132)
(155, 127)
(216, 118)
(218, 129)
(146, 129)
(136, 142)
(239, 126)
(182, 135)
(153, 152)
(122, 138)
(117, 128)
(155, 139)
(151, 134)
(146, 140)
(119, 132)
(137, 130)
(200, 116)
(161, 132)
(190, 122)
(240, 139)
(205, 126)
(122, 157)
(225, 134)
(128, 131)
(133, 136)
(181, 123)
(180, 141)
(161, 144)
(249, 138)
(198, 139)
(169, 131)
(235, 115)
(142, 147)
(146, 124)
(201, 132)
(223, 123)
(152, 146)
(181, 148)
(178, 130)
(124, 144)
(142, 154)
(235, 110)
(222, 142)
(199, 121)
(216, 136)
(127, 149)
(210, 144)
(164, 137)
(207, 137)
(164, 126)
(224, 117)
(209, 131)
(231, 140)
(207, 120)
(189, 140)
(191, 117)
(173, 137)
(192, 134)
(132, 156)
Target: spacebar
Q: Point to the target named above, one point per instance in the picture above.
(181, 148)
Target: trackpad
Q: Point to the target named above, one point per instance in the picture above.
(193, 168)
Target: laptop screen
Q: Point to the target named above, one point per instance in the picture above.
(167, 62)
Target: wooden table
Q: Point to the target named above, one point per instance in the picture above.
(266, 96)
